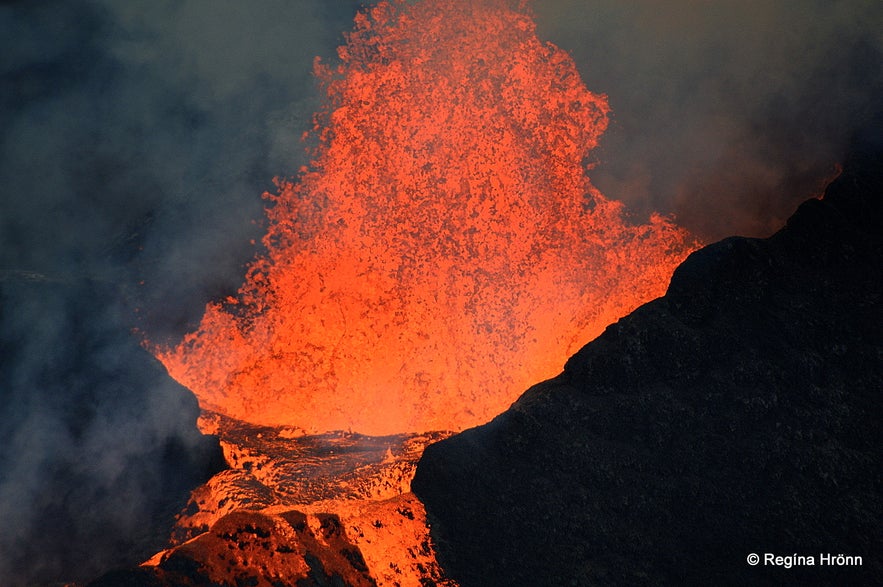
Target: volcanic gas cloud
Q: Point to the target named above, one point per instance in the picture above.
(445, 248)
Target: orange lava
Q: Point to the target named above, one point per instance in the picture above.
(444, 250)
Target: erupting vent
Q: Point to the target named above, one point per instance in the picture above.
(445, 248)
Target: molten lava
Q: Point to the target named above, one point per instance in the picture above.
(294, 509)
(444, 250)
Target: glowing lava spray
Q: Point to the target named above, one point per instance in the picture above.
(445, 248)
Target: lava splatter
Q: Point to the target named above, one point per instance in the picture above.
(444, 250)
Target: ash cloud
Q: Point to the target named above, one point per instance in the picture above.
(725, 113)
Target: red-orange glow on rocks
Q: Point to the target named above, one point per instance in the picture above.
(444, 250)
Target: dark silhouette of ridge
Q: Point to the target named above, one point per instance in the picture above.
(738, 414)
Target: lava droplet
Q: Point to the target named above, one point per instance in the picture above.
(445, 248)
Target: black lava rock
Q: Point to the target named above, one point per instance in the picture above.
(738, 414)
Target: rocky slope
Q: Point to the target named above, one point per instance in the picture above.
(738, 414)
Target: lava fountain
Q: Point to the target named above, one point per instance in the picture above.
(444, 249)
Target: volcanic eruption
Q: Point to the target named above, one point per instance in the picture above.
(444, 249)
(441, 250)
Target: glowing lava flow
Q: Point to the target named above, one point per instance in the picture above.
(444, 250)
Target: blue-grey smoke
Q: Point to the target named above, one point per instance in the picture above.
(726, 113)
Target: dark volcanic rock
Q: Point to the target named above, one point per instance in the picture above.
(98, 446)
(257, 549)
(738, 414)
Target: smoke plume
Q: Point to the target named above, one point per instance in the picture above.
(137, 138)
(726, 113)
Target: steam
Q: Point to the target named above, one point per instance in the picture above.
(98, 447)
(726, 113)
(137, 138)
(141, 139)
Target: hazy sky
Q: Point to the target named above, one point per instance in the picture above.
(726, 113)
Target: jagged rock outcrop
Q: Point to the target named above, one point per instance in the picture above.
(258, 549)
(368, 543)
(283, 467)
(98, 445)
(299, 510)
(738, 414)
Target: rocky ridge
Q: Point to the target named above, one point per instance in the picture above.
(737, 414)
